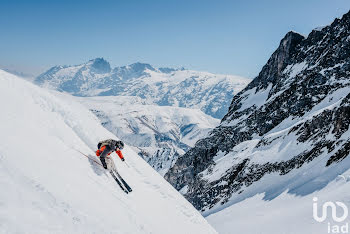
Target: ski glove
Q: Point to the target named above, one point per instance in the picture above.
(123, 159)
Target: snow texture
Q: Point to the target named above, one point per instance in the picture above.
(47, 186)
(287, 213)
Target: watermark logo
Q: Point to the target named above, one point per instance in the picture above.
(333, 207)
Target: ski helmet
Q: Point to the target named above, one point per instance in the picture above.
(120, 145)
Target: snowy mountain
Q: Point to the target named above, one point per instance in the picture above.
(48, 186)
(286, 132)
(209, 92)
(159, 134)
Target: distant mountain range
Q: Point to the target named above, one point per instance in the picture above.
(159, 134)
(209, 92)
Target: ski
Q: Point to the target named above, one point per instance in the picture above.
(118, 182)
(123, 181)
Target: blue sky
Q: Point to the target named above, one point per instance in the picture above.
(231, 37)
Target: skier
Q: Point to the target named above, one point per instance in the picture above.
(105, 148)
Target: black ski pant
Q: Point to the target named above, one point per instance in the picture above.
(104, 154)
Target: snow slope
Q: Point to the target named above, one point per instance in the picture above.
(159, 134)
(288, 214)
(47, 186)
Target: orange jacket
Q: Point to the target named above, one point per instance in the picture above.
(118, 151)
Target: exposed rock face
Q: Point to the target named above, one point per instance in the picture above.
(294, 115)
(101, 66)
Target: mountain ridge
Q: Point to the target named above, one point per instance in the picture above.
(293, 115)
(162, 86)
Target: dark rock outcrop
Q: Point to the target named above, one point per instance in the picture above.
(301, 95)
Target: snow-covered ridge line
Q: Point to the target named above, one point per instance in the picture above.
(164, 86)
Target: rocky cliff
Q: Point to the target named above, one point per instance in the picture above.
(286, 128)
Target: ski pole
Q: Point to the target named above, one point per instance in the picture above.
(88, 157)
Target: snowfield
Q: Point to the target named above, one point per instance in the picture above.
(47, 186)
(288, 213)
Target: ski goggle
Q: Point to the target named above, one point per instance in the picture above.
(120, 145)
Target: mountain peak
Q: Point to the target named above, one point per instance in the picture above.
(138, 66)
(292, 37)
(169, 69)
(286, 48)
(289, 42)
(278, 61)
(100, 65)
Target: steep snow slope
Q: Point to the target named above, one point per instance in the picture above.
(209, 92)
(49, 187)
(159, 134)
